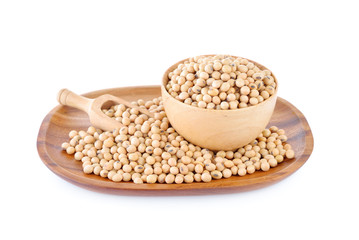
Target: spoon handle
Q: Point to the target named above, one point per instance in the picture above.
(71, 99)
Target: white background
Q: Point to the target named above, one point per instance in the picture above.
(311, 46)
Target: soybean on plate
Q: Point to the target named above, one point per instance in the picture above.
(57, 124)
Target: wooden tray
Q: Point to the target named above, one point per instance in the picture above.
(57, 124)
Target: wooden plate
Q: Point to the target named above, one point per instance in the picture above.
(57, 124)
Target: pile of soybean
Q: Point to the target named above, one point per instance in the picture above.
(220, 82)
(149, 150)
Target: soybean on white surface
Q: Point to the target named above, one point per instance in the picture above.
(311, 47)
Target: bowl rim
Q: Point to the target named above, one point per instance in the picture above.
(165, 79)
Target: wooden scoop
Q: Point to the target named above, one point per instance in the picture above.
(93, 108)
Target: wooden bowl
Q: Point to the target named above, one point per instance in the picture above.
(217, 129)
(62, 119)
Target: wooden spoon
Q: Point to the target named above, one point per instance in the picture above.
(93, 108)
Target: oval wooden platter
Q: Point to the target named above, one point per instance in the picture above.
(57, 124)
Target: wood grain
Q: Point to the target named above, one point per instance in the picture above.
(56, 125)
